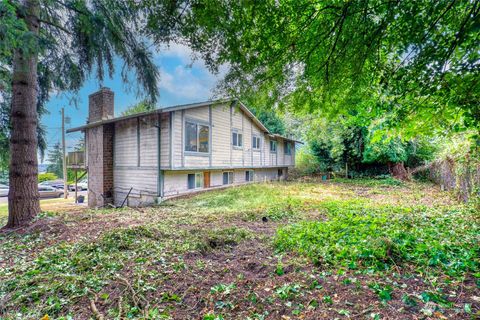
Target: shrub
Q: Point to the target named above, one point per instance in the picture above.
(356, 235)
(47, 176)
(306, 163)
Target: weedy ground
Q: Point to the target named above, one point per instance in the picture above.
(361, 249)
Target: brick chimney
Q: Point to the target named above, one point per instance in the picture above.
(100, 149)
(100, 105)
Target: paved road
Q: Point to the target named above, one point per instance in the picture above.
(71, 194)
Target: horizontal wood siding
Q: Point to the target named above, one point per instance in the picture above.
(125, 143)
(177, 139)
(196, 161)
(221, 136)
(247, 140)
(176, 182)
(223, 119)
(143, 181)
(165, 140)
(198, 113)
(148, 142)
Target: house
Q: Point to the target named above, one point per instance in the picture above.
(177, 150)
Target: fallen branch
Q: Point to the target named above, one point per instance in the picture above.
(94, 309)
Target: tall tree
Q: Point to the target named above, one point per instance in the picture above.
(54, 45)
(55, 159)
(418, 57)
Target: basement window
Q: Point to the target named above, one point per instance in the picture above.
(228, 177)
(249, 175)
(195, 180)
(197, 137)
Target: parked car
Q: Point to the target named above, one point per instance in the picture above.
(82, 185)
(4, 190)
(57, 184)
(49, 192)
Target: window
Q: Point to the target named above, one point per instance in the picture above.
(249, 175)
(273, 146)
(228, 177)
(195, 180)
(256, 143)
(196, 137)
(237, 139)
(287, 147)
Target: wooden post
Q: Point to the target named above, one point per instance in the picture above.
(65, 178)
(76, 187)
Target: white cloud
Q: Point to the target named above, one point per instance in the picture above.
(190, 80)
(187, 85)
(181, 51)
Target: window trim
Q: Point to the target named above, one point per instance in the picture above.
(285, 148)
(198, 123)
(229, 173)
(251, 175)
(195, 174)
(237, 132)
(276, 146)
(258, 148)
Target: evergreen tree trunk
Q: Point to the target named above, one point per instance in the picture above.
(23, 198)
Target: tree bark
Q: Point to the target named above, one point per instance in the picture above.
(23, 198)
(398, 171)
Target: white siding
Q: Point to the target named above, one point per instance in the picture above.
(223, 120)
(148, 142)
(177, 140)
(135, 165)
(165, 140)
(125, 143)
(221, 136)
(176, 182)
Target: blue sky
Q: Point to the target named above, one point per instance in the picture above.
(180, 82)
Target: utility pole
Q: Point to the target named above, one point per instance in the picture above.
(65, 187)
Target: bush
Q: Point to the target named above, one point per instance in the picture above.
(47, 176)
(356, 235)
(306, 163)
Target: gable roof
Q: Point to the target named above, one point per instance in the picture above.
(234, 102)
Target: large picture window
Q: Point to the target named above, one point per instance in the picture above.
(256, 143)
(197, 137)
(237, 139)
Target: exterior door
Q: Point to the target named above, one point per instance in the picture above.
(206, 179)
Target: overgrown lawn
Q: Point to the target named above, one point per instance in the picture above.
(371, 249)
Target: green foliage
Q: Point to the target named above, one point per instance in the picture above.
(48, 176)
(413, 62)
(306, 163)
(356, 234)
(357, 142)
(142, 106)
(272, 121)
(55, 159)
(203, 248)
(76, 38)
(62, 273)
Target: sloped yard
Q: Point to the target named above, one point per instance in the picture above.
(364, 249)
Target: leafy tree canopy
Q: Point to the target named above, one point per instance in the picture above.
(414, 63)
(142, 106)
